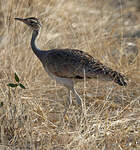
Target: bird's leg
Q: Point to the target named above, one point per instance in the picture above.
(69, 102)
(69, 98)
(78, 98)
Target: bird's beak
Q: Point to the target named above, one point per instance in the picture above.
(20, 19)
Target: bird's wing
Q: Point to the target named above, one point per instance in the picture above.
(72, 64)
(77, 64)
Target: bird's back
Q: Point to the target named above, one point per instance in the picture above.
(71, 63)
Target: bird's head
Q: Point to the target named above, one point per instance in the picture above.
(31, 22)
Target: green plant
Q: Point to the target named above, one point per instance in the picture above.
(13, 85)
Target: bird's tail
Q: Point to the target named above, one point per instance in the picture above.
(106, 73)
(111, 75)
(118, 78)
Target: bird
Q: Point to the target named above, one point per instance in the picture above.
(68, 66)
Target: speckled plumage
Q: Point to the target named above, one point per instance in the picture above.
(75, 64)
(69, 65)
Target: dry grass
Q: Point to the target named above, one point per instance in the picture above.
(33, 118)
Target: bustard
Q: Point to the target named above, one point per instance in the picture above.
(69, 65)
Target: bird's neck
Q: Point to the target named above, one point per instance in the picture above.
(35, 49)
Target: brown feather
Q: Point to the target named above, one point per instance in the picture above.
(74, 63)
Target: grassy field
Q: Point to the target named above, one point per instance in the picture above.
(32, 119)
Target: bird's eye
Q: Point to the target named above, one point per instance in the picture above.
(31, 21)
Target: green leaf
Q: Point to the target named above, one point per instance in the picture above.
(12, 85)
(16, 77)
(22, 86)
